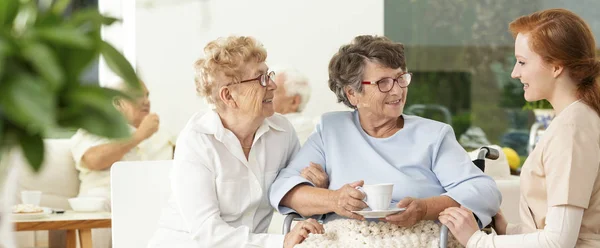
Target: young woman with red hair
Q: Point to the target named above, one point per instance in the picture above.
(560, 185)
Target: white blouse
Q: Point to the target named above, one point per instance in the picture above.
(219, 198)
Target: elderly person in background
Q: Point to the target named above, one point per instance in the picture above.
(290, 98)
(227, 158)
(377, 143)
(95, 155)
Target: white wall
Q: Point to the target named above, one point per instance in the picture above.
(121, 35)
(304, 34)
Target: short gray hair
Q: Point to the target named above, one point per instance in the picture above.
(347, 66)
(295, 83)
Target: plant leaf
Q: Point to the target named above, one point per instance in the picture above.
(97, 122)
(76, 60)
(26, 18)
(45, 62)
(65, 36)
(87, 100)
(8, 11)
(1, 131)
(26, 102)
(92, 15)
(107, 20)
(33, 149)
(59, 6)
(97, 97)
(4, 50)
(119, 64)
(48, 19)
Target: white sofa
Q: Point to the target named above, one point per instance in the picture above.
(58, 180)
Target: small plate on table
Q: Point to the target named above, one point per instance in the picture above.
(32, 216)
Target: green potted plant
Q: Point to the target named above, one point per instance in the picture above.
(43, 53)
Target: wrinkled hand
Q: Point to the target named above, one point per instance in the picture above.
(301, 231)
(461, 222)
(148, 127)
(415, 212)
(500, 223)
(315, 174)
(348, 199)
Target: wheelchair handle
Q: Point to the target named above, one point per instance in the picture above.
(489, 153)
(484, 152)
(444, 236)
(287, 222)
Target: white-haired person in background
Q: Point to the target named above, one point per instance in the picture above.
(94, 155)
(290, 99)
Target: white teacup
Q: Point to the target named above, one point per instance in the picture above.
(378, 196)
(31, 197)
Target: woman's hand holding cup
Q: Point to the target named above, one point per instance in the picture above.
(347, 199)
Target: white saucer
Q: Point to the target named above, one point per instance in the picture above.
(371, 214)
(32, 216)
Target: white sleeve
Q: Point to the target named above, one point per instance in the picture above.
(81, 142)
(194, 191)
(514, 229)
(562, 229)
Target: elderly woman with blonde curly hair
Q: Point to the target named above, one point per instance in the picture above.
(227, 158)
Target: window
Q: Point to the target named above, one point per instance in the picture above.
(462, 54)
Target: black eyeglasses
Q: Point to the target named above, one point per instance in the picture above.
(386, 84)
(262, 78)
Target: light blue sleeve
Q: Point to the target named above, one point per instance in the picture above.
(462, 180)
(289, 177)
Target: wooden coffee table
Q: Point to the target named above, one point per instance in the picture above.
(71, 222)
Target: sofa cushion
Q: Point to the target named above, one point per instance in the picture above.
(57, 179)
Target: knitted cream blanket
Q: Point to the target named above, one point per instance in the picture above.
(346, 233)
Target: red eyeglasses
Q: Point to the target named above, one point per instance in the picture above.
(386, 84)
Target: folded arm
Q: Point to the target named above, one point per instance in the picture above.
(92, 152)
(290, 192)
(102, 157)
(308, 200)
(435, 205)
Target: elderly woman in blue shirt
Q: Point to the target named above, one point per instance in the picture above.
(377, 143)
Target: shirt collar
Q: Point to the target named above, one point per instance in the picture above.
(210, 123)
(293, 115)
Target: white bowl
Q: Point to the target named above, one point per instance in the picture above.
(87, 204)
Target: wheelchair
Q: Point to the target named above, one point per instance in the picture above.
(484, 152)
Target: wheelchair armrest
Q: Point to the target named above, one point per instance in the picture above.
(287, 222)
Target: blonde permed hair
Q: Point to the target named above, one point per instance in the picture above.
(225, 57)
